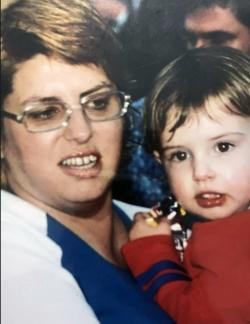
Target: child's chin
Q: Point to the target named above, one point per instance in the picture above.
(212, 213)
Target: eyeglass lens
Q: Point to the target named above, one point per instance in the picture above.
(51, 115)
(102, 106)
(45, 116)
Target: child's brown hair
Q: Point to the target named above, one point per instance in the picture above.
(189, 81)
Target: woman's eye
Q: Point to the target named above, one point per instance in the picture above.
(98, 104)
(224, 147)
(178, 156)
(45, 113)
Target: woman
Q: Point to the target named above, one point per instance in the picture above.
(61, 144)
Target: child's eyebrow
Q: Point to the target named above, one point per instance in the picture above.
(168, 147)
(227, 134)
(171, 147)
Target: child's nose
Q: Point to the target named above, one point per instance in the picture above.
(202, 170)
(79, 128)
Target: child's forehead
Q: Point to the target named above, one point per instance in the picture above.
(204, 125)
(214, 107)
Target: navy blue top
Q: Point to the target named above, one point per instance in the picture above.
(111, 291)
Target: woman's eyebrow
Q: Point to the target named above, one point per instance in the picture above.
(96, 88)
(40, 99)
(55, 98)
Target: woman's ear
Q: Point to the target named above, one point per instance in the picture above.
(3, 175)
(2, 148)
(157, 156)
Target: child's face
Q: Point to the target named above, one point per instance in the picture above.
(208, 162)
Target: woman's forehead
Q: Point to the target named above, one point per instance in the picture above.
(43, 76)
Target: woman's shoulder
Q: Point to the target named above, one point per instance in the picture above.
(32, 272)
(24, 230)
(15, 209)
(24, 236)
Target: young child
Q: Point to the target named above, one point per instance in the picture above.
(197, 123)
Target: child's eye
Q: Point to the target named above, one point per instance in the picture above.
(224, 147)
(178, 156)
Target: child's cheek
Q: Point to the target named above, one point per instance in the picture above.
(179, 187)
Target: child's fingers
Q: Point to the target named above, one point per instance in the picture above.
(171, 215)
(151, 221)
(154, 220)
(140, 216)
(147, 218)
(146, 225)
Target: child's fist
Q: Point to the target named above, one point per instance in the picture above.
(145, 225)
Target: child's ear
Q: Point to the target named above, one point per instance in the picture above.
(157, 156)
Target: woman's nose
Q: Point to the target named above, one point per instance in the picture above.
(79, 128)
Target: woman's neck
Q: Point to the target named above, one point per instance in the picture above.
(99, 226)
(94, 222)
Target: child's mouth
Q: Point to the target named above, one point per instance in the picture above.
(210, 199)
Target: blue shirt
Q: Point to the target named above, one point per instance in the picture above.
(111, 291)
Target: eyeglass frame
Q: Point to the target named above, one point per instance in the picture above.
(69, 111)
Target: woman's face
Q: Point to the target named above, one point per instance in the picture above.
(67, 167)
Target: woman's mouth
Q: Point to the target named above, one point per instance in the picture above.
(83, 162)
(82, 165)
(210, 199)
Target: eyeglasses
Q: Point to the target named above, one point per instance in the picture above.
(101, 104)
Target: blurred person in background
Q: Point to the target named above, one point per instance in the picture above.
(218, 23)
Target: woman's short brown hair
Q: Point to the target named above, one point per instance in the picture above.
(70, 30)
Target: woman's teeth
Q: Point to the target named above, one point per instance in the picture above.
(80, 161)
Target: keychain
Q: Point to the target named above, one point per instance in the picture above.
(171, 209)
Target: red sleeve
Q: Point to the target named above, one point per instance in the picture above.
(215, 288)
(156, 266)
